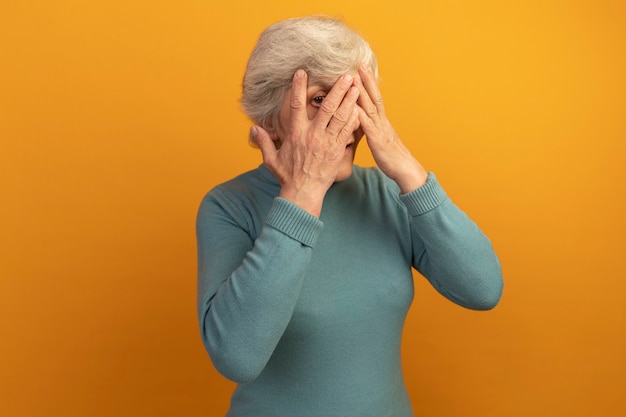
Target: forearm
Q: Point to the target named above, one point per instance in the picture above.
(244, 313)
(451, 251)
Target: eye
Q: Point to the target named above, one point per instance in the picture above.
(317, 99)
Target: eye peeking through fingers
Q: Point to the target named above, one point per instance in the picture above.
(317, 99)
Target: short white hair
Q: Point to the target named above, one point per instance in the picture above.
(325, 47)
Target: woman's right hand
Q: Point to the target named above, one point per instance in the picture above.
(311, 151)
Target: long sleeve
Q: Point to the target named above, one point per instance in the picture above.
(450, 250)
(283, 304)
(248, 288)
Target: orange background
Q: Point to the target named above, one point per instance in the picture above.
(116, 117)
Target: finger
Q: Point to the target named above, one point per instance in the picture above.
(345, 133)
(367, 124)
(369, 81)
(297, 101)
(344, 113)
(332, 101)
(364, 101)
(266, 144)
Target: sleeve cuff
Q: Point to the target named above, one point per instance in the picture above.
(293, 221)
(424, 198)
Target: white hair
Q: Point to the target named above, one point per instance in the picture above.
(325, 47)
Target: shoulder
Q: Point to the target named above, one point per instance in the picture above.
(243, 198)
(247, 185)
(255, 180)
(375, 184)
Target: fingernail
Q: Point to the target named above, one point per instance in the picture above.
(254, 131)
(347, 78)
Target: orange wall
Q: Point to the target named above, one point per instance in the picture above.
(116, 117)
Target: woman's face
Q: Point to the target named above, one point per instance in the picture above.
(315, 95)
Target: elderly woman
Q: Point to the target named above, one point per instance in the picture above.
(305, 262)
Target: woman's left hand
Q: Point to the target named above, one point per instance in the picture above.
(390, 154)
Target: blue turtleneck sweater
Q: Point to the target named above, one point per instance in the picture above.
(306, 314)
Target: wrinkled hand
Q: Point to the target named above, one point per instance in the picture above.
(311, 151)
(390, 154)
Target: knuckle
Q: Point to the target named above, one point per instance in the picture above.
(340, 117)
(296, 103)
(344, 132)
(327, 106)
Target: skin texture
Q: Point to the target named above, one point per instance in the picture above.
(319, 132)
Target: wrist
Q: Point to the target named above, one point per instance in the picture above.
(308, 200)
(412, 178)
